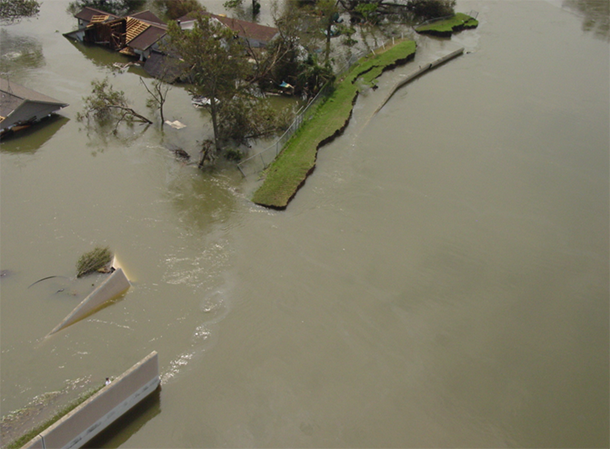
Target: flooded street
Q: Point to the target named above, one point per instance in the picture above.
(441, 280)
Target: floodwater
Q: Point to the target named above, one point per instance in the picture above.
(441, 280)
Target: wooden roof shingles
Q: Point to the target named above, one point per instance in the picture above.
(147, 37)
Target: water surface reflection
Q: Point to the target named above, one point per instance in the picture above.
(595, 14)
(19, 53)
(31, 139)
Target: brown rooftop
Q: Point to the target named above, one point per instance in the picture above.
(148, 17)
(249, 30)
(243, 28)
(147, 37)
(88, 13)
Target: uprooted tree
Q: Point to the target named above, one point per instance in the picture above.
(12, 11)
(108, 107)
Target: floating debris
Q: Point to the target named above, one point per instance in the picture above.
(175, 124)
(98, 259)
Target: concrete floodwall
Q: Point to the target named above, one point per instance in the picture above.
(99, 411)
(116, 284)
(36, 443)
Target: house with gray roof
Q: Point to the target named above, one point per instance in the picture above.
(20, 107)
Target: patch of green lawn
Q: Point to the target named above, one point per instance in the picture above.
(23, 439)
(292, 166)
(446, 27)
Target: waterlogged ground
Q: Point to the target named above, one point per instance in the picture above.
(441, 280)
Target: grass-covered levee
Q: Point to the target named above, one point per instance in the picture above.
(448, 26)
(288, 172)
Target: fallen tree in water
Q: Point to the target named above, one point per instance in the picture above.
(290, 169)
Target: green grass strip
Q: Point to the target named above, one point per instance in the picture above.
(292, 166)
(445, 27)
(23, 439)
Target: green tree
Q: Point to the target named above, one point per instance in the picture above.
(118, 7)
(282, 56)
(236, 4)
(249, 117)
(106, 106)
(327, 12)
(313, 75)
(374, 10)
(12, 11)
(174, 9)
(430, 9)
(215, 63)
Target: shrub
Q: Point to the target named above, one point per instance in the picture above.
(430, 9)
(94, 260)
(233, 154)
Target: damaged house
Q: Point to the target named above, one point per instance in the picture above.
(254, 36)
(140, 36)
(135, 35)
(20, 107)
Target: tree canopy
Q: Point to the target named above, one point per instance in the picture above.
(216, 64)
(106, 106)
(12, 11)
(174, 9)
(214, 61)
(372, 10)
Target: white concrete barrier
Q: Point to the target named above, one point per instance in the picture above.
(99, 411)
(116, 284)
(36, 443)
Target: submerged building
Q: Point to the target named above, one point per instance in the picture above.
(140, 35)
(21, 107)
(134, 35)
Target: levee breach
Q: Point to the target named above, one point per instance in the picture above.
(420, 72)
(99, 411)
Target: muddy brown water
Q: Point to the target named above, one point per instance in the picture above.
(441, 280)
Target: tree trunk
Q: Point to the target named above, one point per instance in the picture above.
(328, 28)
(214, 114)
